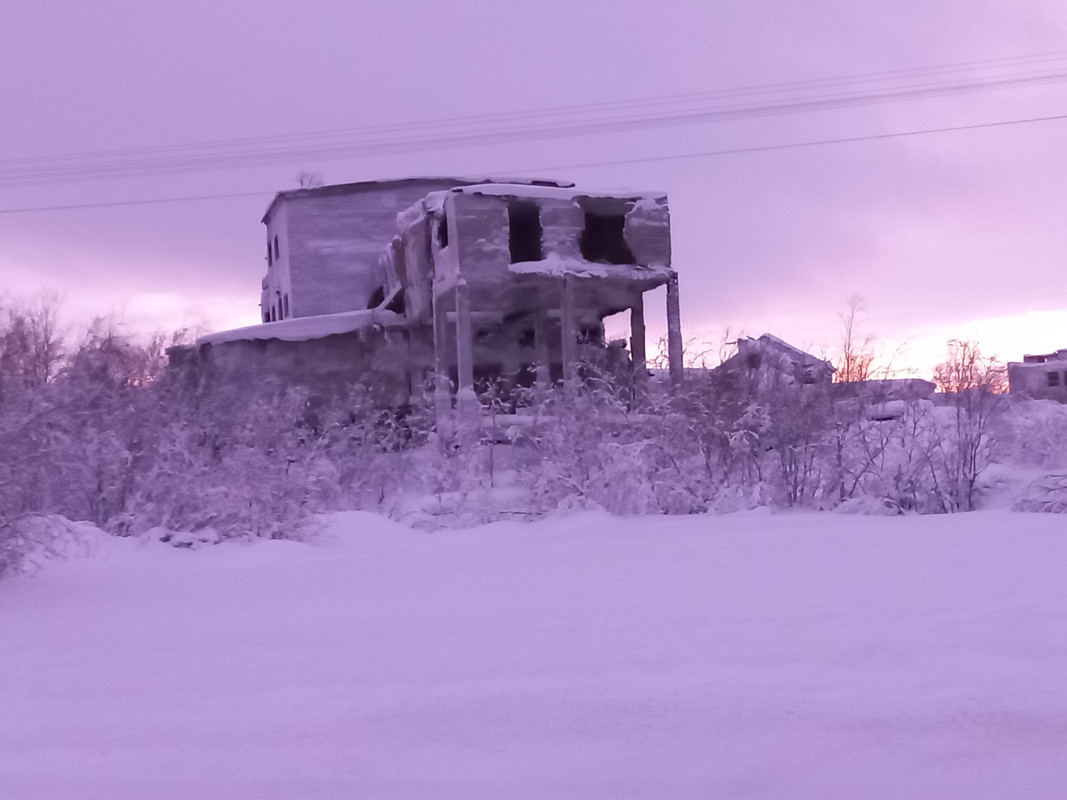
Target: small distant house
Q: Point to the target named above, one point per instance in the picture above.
(768, 362)
(470, 281)
(1040, 376)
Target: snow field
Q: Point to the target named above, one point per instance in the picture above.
(748, 655)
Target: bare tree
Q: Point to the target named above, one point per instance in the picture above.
(974, 386)
(857, 351)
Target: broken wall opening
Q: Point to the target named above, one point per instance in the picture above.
(603, 238)
(442, 231)
(524, 231)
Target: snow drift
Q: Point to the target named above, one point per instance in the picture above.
(749, 655)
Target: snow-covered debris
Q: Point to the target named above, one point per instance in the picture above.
(304, 328)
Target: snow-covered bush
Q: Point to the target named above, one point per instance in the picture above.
(1046, 495)
(588, 445)
(1034, 433)
(251, 466)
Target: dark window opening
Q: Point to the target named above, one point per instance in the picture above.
(591, 334)
(1053, 379)
(266, 315)
(527, 338)
(603, 239)
(526, 377)
(273, 314)
(270, 255)
(285, 306)
(524, 222)
(396, 305)
(276, 251)
(442, 231)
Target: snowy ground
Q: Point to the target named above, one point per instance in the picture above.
(745, 656)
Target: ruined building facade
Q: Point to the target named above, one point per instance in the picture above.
(393, 283)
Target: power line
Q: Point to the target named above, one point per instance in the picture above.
(562, 122)
(796, 145)
(642, 160)
(1014, 61)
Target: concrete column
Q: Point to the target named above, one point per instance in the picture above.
(466, 401)
(637, 340)
(674, 332)
(442, 392)
(568, 330)
(543, 351)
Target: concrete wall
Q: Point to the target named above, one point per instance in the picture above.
(277, 283)
(648, 232)
(334, 237)
(328, 367)
(480, 223)
(561, 226)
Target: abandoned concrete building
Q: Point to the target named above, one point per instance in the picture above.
(392, 283)
(1040, 376)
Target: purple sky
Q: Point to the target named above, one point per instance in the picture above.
(948, 234)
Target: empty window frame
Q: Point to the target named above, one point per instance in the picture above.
(524, 225)
(276, 251)
(1053, 379)
(603, 238)
(285, 306)
(442, 231)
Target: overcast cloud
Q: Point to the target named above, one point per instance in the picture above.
(943, 234)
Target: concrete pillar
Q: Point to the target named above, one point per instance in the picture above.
(543, 351)
(442, 392)
(637, 340)
(674, 332)
(466, 400)
(568, 330)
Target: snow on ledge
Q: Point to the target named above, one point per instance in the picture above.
(553, 265)
(553, 192)
(303, 328)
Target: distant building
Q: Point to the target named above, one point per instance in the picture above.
(1040, 376)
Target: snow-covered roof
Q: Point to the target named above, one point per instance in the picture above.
(301, 329)
(433, 202)
(376, 185)
(553, 192)
(771, 340)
